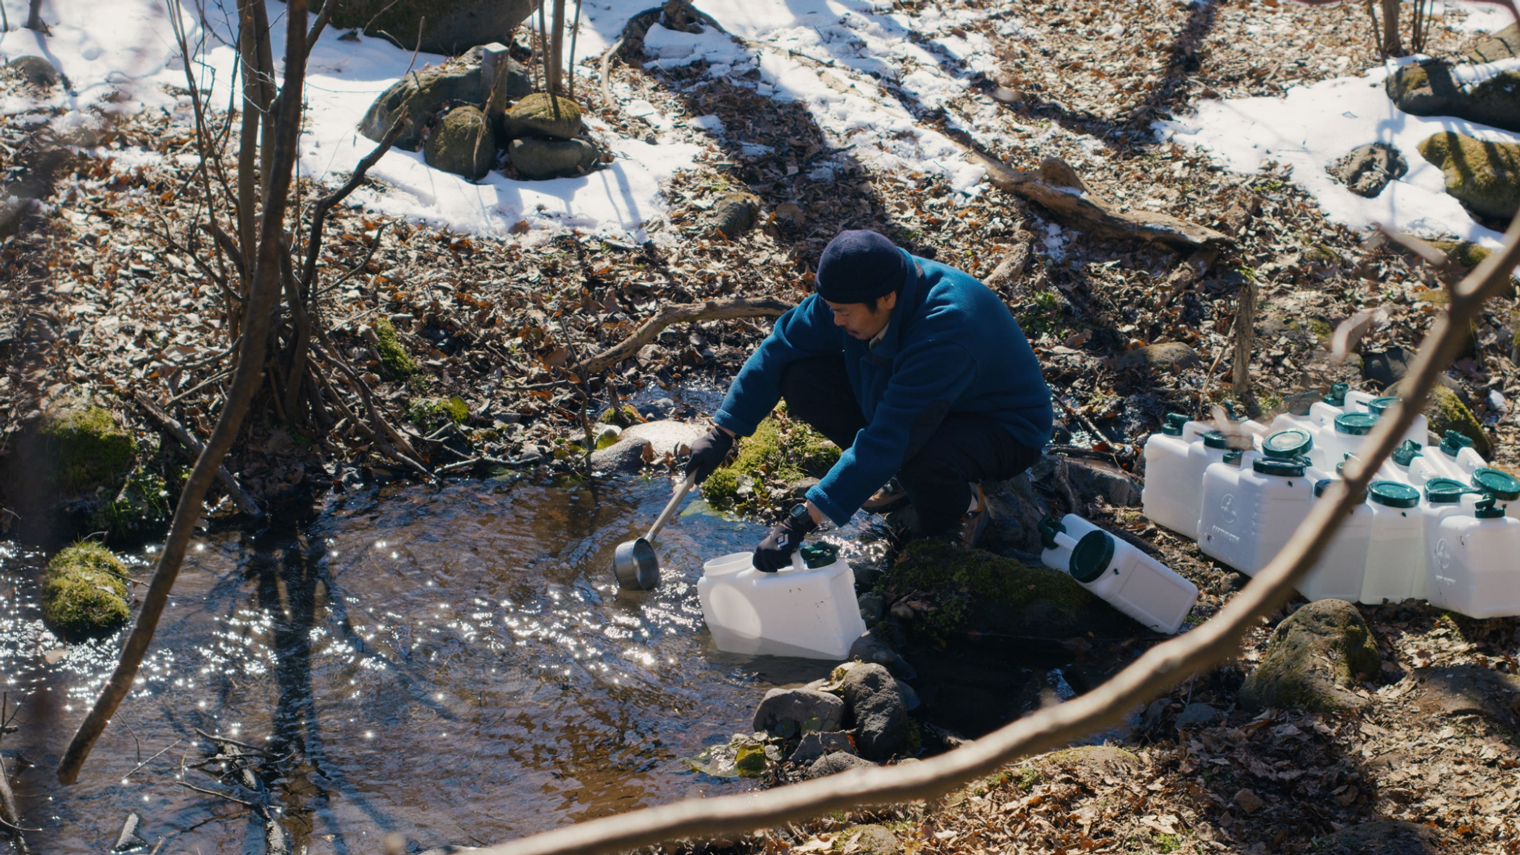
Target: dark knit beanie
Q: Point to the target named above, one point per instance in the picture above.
(859, 266)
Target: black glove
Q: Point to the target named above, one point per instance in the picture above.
(775, 551)
(708, 452)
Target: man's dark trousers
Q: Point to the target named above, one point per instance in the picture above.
(939, 467)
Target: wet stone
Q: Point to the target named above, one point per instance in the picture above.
(872, 607)
(872, 650)
(626, 455)
(667, 436)
(833, 764)
(128, 839)
(789, 712)
(815, 745)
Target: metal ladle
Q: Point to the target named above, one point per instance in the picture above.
(634, 562)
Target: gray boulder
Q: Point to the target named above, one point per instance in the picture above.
(879, 711)
(1089, 478)
(1367, 169)
(422, 94)
(1483, 175)
(463, 143)
(626, 455)
(1504, 44)
(539, 159)
(1313, 658)
(34, 70)
(542, 115)
(448, 28)
(873, 651)
(833, 764)
(1428, 89)
(736, 213)
(668, 436)
(790, 712)
(815, 745)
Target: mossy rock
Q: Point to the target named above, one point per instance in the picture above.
(780, 449)
(544, 115)
(1312, 659)
(84, 592)
(430, 413)
(1462, 253)
(88, 449)
(448, 27)
(1484, 176)
(422, 94)
(394, 360)
(463, 144)
(977, 591)
(540, 159)
(1445, 411)
(34, 70)
(1424, 88)
(868, 840)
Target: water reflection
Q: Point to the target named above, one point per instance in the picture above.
(453, 665)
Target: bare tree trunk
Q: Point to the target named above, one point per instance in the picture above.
(246, 381)
(34, 17)
(1245, 335)
(557, 49)
(1392, 44)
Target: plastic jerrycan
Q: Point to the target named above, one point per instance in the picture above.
(1418, 430)
(1338, 572)
(1356, 401)
(1473, 568)
(1459, 449)
(1211, 448)
(1396, 467)
(1289, 443)
(1128, 579)
(1344, 437)
(1446, 460)
(801, 611)
(1332, 404)
(1169, 496)
(1443, 498)
(1249, 512)
(1501, 487)
(1395, 544)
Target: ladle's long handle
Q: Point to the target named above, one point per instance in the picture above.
(670, 509)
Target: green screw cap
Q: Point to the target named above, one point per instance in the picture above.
(1215, 439)
(1357, 424)
(1287, 443)
(1048, 527)
(1094, 552)
(1376, 406)
(1319, 487)
(1453, 443)
(1444, 491)
(1172, 424)
(1232, 457)
(1291, 467)
(1336, 397)
(1497, 485)
(1393, 494)
(1487, 510)
(1407, 451)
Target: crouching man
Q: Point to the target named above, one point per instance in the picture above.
(915, 369)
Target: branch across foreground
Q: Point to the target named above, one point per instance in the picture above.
(1161, 668)
(711, 310)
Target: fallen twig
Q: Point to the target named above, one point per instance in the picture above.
(712, 310)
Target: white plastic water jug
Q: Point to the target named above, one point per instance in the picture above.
(1337, 573)
(1344, 437)
(1170, 495)
(1395, 543)
(1294, 439)
(1249, 511)
(1418, 430)
(1501, 487)
(1211, 448)
(1472, 562)
(1444, 497)
(1356, 401)
(1459, 449)
(1396, 467)
(1443, 461)
(1324, 411)
(1131, 581)
(811, 613)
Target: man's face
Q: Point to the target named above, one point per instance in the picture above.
(859, 321)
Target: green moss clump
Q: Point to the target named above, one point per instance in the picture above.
(1462, 253)
(84, 592)
(1485, 176)
(780, 450)
(1447, 412)
(624, 416)
(88, 447)
(397, 363)
(431, 413)
(966, 581)
(141, 509)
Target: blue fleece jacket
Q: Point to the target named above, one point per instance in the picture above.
(951, 346)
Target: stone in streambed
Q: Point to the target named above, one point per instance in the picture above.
(1367, 169)
(541, 159)
(1483, 175)
(816, 745)
(872, 650)
(790, 712)
(463, 143)
(667, 436)
(626, 455)
(839, 761)
(1313, 658)
(544, 115)
(879, 711)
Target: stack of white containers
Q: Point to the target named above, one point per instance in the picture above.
(1436, 522)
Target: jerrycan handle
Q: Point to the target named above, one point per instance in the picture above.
(797, 564)
(1048, 527)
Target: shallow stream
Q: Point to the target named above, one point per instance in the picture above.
(455, 665)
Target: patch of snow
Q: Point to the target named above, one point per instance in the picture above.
(1313, 126)
(1470, 74)
(1475, 17)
